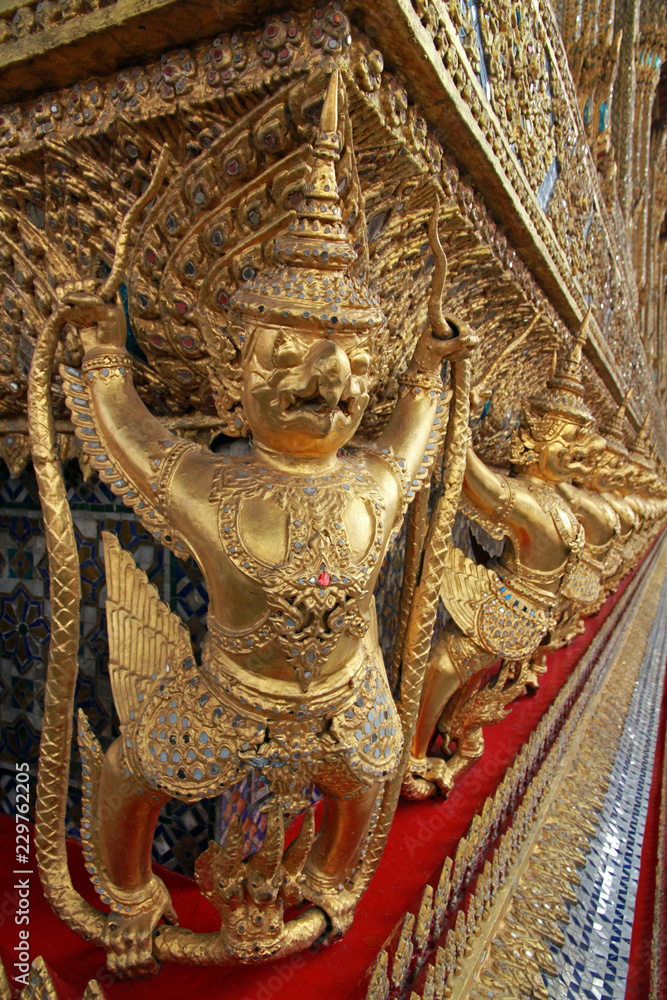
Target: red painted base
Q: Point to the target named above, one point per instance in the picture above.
(423, 834)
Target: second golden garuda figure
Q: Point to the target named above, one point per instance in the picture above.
(290, 538)
(507, 608)
(611, 479)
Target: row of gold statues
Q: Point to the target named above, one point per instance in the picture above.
(290, 537)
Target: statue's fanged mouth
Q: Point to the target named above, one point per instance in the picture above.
(316, 404)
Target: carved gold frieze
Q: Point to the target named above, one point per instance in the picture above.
(572, 219)
(23, 19)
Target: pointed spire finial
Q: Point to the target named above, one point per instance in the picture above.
(581, 337)
(314, 256)
(615, 433)
(640, 451)
(565, 393)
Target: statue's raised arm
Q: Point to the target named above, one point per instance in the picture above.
(413, 429)
(133, 451)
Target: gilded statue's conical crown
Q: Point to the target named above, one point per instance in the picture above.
(563, 396)
(310, 288)
(614, 434)
(641, 449)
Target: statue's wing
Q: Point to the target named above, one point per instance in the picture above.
(488, 610)
(464, 588)
(145, 637)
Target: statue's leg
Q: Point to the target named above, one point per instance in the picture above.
(441, 680)
(428, 775)
(349, 810)
(483, 702)
(455, 660)
(469, 739)
(126, 814)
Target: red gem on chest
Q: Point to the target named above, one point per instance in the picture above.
(324, 579)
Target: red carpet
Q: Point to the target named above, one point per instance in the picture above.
(423, 834)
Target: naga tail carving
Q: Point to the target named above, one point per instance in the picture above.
(65, 594)
(424, 608)
(91, 766)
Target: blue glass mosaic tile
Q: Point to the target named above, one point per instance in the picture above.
(595, 959)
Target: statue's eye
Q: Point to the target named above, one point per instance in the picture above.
(287, 354)
(360, 362)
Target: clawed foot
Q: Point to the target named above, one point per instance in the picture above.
(100, 323)
(425, 777)
(538, 664)
(339, 906)
(531, 683)
(128, 940)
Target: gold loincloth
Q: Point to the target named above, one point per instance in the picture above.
(202, 729)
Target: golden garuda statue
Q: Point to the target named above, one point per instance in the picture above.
(512, 606)
(290, 536)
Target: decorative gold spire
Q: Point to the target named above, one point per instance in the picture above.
(312, 290)
(568, 370)
(564, 393)
(641, 449)
(614, 433)
(319, 237)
